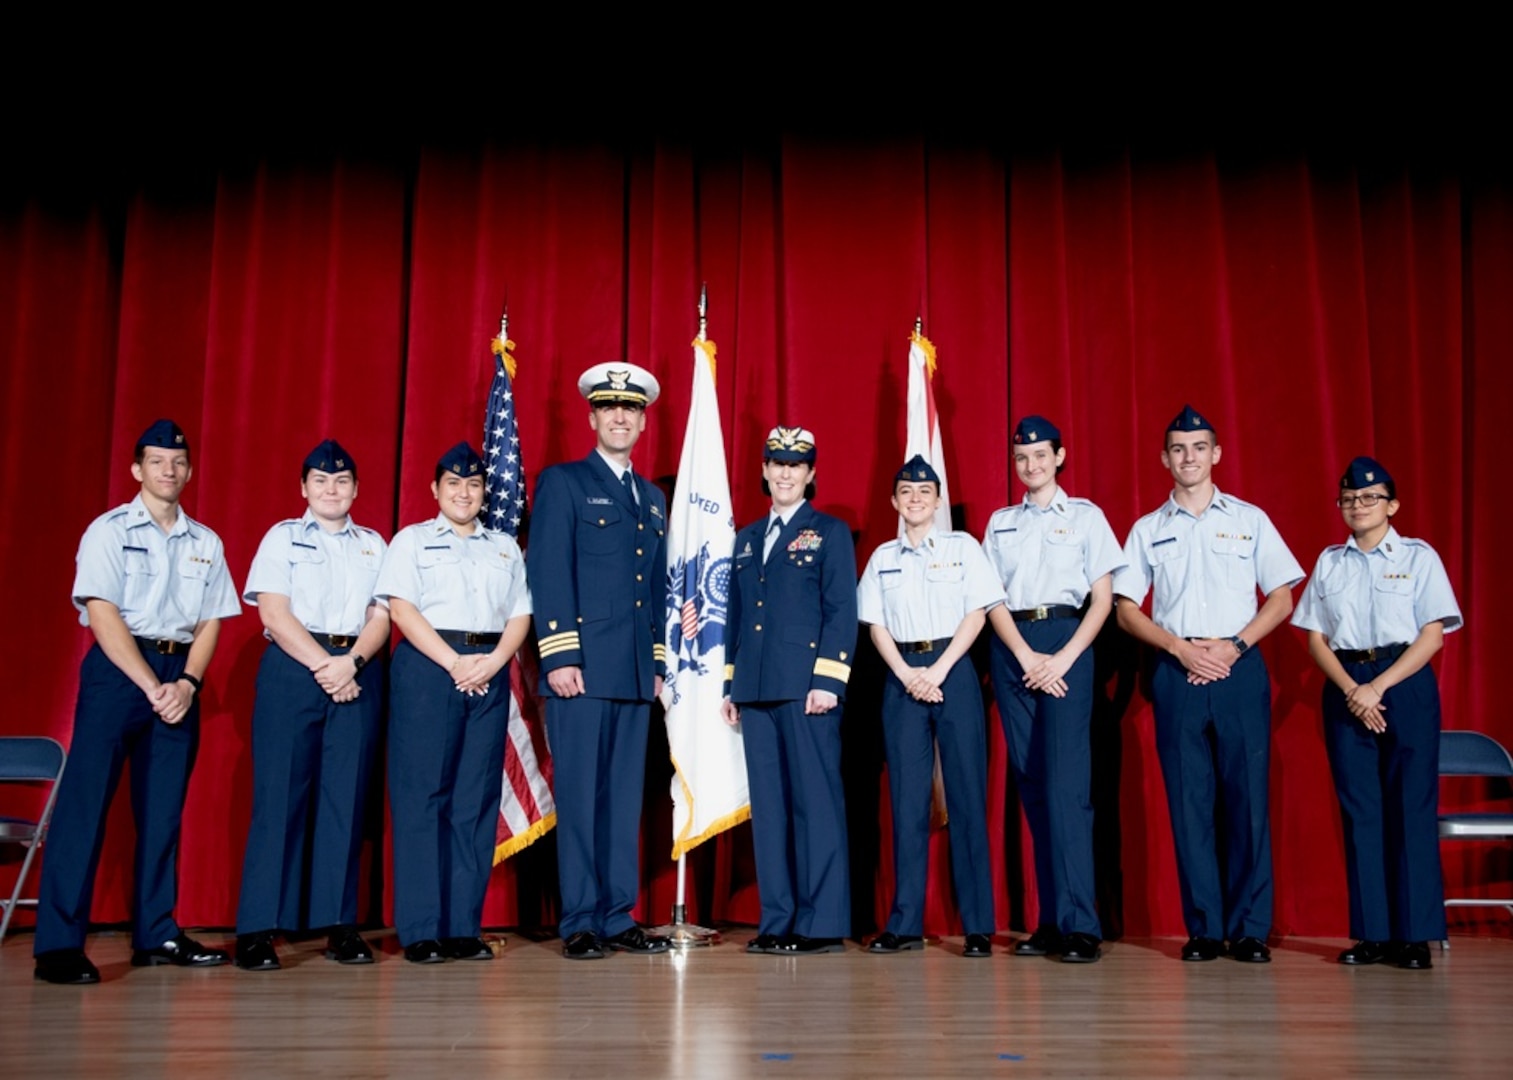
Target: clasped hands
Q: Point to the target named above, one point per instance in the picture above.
(1365, 704)
(337, 676)
(1207, 661)
(1045, 672)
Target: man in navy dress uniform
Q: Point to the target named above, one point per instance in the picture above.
(790, 635)
(152, 586)
(1205, 554)
(598, 566)
(315, 725)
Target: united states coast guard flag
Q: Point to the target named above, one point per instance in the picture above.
(526, 809)
(922, 436)
(709, 790)
(922, 427)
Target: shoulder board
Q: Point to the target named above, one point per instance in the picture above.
(1332, 548)
(1078, 500)
(118, 512)
(1413, 541)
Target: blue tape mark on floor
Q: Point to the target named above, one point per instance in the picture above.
(777, 1057)
(1010, 1057)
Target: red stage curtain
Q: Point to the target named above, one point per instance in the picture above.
(1315, 309)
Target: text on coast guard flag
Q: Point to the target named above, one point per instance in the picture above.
(526, 809)
(709, 790)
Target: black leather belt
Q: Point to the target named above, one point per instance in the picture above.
(164, 646)
(467, 637)
(1366, 656)
(335, 641)
(1046, 611)
(923, 646)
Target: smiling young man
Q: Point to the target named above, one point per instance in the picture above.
(1055, 556)
(1377, 608)
(599, 563)
(457, 591)
(925, 596)
(152, 586)
(315, 724)
(790, 631)
(1205, 554)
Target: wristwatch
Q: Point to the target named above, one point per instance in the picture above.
(1239, 643)
(358, 662)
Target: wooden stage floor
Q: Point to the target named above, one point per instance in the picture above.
(716, 1012)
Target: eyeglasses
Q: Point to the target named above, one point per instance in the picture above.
(1366, 502)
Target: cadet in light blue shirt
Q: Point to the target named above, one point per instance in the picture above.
(1206, 554)
(1376, 609)
(152, 586)
(315, 724)
(925, 596)
(1054, 555)
(457, 591)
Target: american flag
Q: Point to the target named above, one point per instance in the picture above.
(526, 809)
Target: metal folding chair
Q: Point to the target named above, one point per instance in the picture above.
(28, 760)
(1470, 753)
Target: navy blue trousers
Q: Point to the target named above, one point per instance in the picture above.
(1388, 786)
(446, 769)
(1214, 742)
(1050, 750)
(113, 721)
(598, 772)
(312, 760)
(911, 730)
(798, 819)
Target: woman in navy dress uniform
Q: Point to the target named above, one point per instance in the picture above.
(457, 591)
(790, 632)
(315, 724)
(925, 596)
(1055, 556)
(1376, 609)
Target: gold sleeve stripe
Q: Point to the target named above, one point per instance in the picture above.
(559, 643)
(659, 651)
(729, 671)
(565, 635)
(832, 669)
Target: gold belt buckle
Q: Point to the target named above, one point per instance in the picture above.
(1042, 613)
(342, 641)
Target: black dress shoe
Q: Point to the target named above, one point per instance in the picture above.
(1199, 949)
(1080, 948)
(637, 940)
(764, 943)
(467, 948)
(182, 951)
(799, 945)
(66, 967)
(1364, 952)
(428, 951)
(1043, 942)
(889, 942)
(1250, 950)
(584, 945)
(1414, 956)
(977, 945)
(346, 946)
(255, 952)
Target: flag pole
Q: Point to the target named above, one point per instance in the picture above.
(683, 934)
